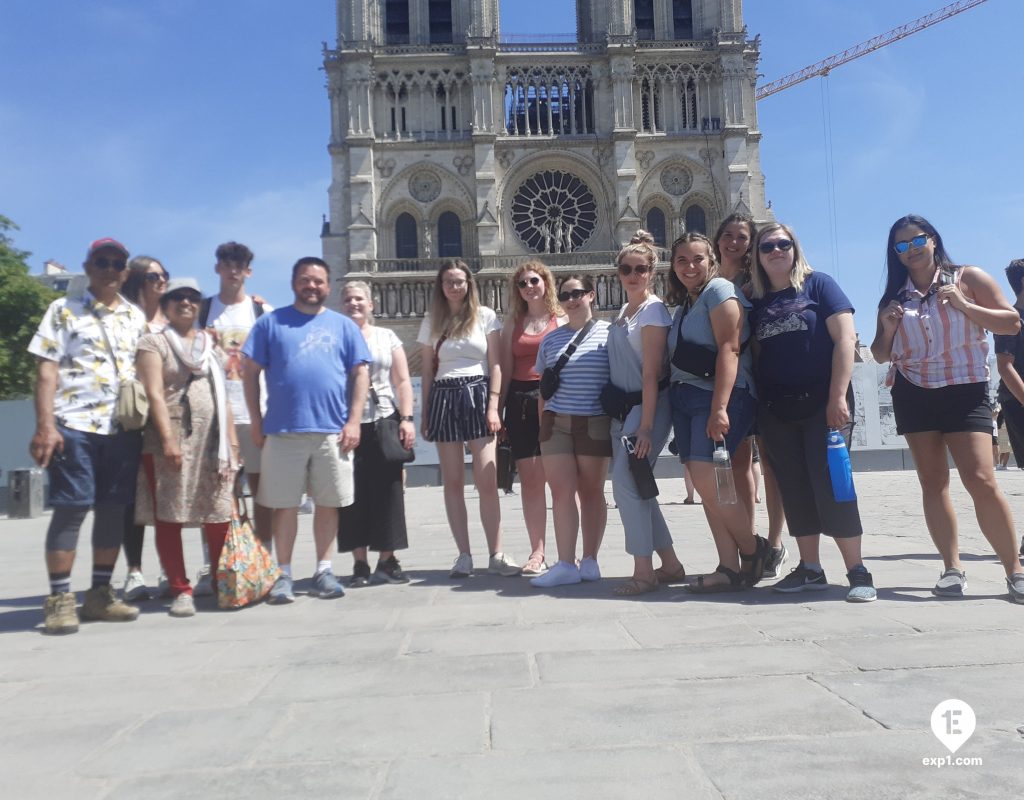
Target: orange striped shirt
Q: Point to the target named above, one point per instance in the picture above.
(936, 345)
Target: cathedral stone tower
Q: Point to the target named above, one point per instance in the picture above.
(450, 140)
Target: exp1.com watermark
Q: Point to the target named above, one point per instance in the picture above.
(953, 723)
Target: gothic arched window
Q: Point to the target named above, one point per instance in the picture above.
(407, 243)
(696, 220)
(440, 13)
(682, 19)
(656, 226)
(396, 21)
(449, 235)
(643, 18)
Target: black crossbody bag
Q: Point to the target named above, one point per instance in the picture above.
(549, 379)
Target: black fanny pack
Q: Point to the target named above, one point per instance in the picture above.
(617, 403)
(695, 359)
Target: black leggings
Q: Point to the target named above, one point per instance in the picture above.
(133, 537)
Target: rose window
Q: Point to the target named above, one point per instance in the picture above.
(554, 212)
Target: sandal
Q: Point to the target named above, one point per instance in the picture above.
(735, 583)
(756, 561)
(666, 577)
(634, 587)
(535, 565)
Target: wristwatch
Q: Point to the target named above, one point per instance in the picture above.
(407, 419)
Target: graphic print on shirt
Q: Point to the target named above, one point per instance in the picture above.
(319, 341)
(785, 316)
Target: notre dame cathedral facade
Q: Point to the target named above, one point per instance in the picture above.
(449, 139)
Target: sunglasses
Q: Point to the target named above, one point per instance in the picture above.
(918, 241)
(534, 281)
(625, 270)
(102, 262)
(157, 277)
(190, 297)
(784, 245)
(572, 294)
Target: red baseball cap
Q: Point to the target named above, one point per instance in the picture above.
(106, 243)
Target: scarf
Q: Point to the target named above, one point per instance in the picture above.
(201, 362)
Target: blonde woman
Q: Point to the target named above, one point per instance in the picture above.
(461, 370)
(803, 325)
(376, 520)
(533, 312)
(638, 363)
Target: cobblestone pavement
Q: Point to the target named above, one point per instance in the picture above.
(486, 687)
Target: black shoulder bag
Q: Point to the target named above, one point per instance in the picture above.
(388, 440)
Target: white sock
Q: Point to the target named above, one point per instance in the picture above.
(323, 566)
(286, 570)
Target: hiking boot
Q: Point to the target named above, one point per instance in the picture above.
(102, 605)
(59, 613)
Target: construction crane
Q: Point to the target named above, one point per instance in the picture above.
(862, 49)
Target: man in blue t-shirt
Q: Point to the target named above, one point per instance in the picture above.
(313, 357)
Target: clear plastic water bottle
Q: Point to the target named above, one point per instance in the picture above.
(724, 481)
(839, 469)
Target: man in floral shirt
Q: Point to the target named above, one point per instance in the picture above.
(84, 348)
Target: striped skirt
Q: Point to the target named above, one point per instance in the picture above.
(458, 409)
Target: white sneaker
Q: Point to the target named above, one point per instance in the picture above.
(204, 584)
(502, 564)
(135, 588)
(183, 606)
(589, 571)
(463, 566)
(560, 574)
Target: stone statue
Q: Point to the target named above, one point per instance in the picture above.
(427, 243)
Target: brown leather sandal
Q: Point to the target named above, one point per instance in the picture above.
(665, 577)
(635, 587)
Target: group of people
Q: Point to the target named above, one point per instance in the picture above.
(751, 350)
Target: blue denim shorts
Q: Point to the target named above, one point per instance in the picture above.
(691, 407)
(95, 469)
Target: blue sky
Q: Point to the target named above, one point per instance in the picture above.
(177, 124)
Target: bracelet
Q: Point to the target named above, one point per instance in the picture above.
(410, 418)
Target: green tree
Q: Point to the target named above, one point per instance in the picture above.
(22, 303)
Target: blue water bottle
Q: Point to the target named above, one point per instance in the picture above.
(839, 468)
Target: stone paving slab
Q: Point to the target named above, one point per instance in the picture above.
(488, 687)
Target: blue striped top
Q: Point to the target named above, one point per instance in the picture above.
(582, 378)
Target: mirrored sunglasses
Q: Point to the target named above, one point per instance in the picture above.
(918, 241)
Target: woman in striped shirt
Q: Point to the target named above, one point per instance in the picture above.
(931, 325)
(575, 442)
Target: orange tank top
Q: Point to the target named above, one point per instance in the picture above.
(524, 350)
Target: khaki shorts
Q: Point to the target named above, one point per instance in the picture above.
(294, 463)
(572, 435)
(248, 449)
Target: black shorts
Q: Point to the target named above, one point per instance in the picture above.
(960, 408)
(522, 422)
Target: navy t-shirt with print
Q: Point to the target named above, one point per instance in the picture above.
(1012, 345)
(795, 345)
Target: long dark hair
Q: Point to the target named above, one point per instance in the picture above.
(895, 272)
(678, 294)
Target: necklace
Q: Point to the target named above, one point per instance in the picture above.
(535, 325)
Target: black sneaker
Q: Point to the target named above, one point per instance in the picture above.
(390, 571)
(776, 560)
(801, 579)
(862, 588)
(360, 574)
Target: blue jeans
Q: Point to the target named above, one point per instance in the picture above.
(691, 408)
